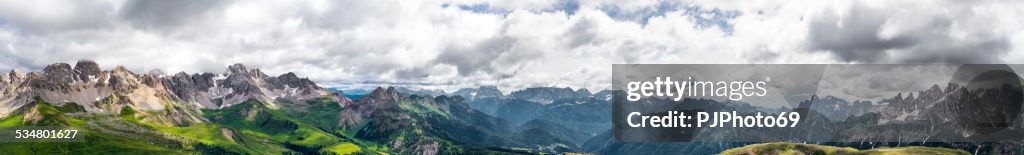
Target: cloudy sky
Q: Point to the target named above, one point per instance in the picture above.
(450, 44)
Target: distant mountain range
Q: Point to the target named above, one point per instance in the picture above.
(244, 111)
(350, 93)
(955, 117)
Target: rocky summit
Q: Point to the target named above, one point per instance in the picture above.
(86, 84)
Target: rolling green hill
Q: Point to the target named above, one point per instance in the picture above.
(248, 128)
(254, 127)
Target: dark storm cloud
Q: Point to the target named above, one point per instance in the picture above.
(858, 35)
(40, 17)
(161, 13)
(857, 38)
(960, 52)
(874, 82)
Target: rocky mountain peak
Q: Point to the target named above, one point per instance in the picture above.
(488, 87)
(385, 94)
(152, 79)
(54, 77)
(545, 95)
(123, 80)
(479, 93)
(86, 69)
(289, 75)
(86, 82)
(583, 92)
(294, 81)
(835, 108)
(59, 71)
(898, 98)
(56, 68)
(237, 69)
(14, 74)
(935, 88)
(120, 70)
(241, 71)
(181, 75)
(257, 73)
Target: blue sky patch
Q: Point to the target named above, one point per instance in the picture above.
(704, 18)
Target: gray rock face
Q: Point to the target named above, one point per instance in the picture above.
(236, 69)
(240, 82)
(291, 80)
(13, 77)
(837, 109)
(87, 70)
(203, 81)
(182, 85)
(54, 77)
(86, 83)
(389, 94)
(547, 95)
(479, 93)
(122, 80)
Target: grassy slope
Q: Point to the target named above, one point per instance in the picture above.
(303, 133)
(14, 120)
(796, 148)
(95, 142)
(344, 148)
(306, 132)
(246, 137)
(420, 108)
(248, 128)
(317, 113)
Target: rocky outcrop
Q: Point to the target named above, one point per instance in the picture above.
(482, 92)
(385, 95)
(837, 109)
(240, 81)
(182, 85)
(122, 80)
(382, 103)
(87, 70)
(54, 77)
(87, 84)
(547, 95)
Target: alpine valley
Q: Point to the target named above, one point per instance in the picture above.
(244, 111)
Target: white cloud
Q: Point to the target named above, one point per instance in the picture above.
(512, 44)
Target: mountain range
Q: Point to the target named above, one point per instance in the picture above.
(245, 111)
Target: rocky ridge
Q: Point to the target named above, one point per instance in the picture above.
(110, 90)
